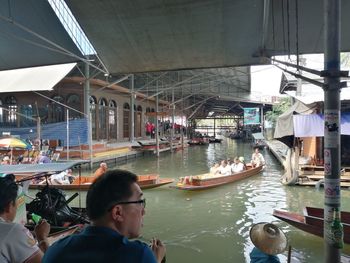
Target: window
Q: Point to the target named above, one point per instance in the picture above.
(126, 120)
(11, 116)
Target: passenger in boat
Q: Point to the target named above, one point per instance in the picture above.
(17, 244)
(64, 177)
(225, 169)
(241, 159)
(237, 166)
(215, 168)
(116, 207)
(101, 170)
(257, 158)
(269, 241)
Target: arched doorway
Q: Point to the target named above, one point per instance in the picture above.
(73, 101)
(93, 102)
(113, 120)
(138, 122)
(56, 111)
(102, 118)
(126, 120)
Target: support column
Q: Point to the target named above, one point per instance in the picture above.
(333, 232)
(214, 127)
(172, 119)
(157, 125)
(67, 144)
(87, 111)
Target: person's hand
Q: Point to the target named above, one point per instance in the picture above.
(42, 230)
(158, 249)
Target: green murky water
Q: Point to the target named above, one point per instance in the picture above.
(213, 225)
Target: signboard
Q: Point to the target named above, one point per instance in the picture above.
(251, 116)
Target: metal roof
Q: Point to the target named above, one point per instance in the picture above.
(155, 35)
(31, 35)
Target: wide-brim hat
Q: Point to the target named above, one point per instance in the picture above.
(268, 238)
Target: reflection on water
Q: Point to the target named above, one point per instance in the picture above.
(213, 225)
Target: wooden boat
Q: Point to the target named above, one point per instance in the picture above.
(214, 140)
(206, 181)
(198, 141)
(61, 234)
(312, 221)
(146, 181)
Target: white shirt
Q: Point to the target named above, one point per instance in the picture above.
(60, 178)
(225, 170)
(258, 158)
(237, 167)
(16, 243)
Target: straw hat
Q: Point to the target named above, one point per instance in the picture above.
(268, 238)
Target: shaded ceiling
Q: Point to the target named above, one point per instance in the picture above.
(156, 35)
(223, 91)
(26, 28)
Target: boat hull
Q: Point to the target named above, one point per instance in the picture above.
(83, 183)
(312, 223)
(201, 184)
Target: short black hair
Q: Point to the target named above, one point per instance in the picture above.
(8, 191)
(111, 187)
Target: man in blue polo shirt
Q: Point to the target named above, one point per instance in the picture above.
(116, 208)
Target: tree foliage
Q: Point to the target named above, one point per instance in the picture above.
(277, 110)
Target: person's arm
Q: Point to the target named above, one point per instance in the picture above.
(42, 231)
(158, 249)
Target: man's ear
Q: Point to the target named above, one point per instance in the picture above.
(9, 206)
(117, 213)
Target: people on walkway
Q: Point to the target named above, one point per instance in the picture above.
(257, 158)
(43, 158)
(116, 207)
(5, 160)
(237, 166)
(269, 241)
(17, 244)
(101, 170)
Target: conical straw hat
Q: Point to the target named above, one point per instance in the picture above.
(268, 238)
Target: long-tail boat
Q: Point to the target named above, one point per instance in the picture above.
(26, 172)
(205, 181)
(312, 221)
(145, 181)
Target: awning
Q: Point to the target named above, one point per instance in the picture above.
(312, 125)
(33, 79)
(258, 136)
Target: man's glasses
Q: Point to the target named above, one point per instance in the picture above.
(142, 202)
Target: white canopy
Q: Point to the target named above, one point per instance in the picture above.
(33, 79)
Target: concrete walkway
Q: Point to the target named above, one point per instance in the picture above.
(278, 149)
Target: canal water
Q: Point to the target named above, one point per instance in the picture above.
(213, 225)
